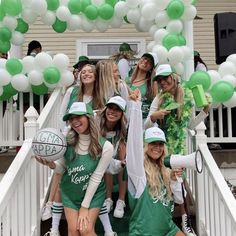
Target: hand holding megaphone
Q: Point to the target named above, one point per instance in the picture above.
(192, 161)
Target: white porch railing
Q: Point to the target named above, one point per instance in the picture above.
(215, 204)
(24, 186)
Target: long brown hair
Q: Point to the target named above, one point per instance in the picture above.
(97, 102)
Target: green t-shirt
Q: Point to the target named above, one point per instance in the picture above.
(152, 216)
(75, 180)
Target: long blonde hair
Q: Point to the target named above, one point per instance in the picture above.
(94, 149)
(178, 95)
(107, 86)
(155, 171)
(97, 102)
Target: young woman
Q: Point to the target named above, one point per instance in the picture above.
(113, 126)
(83, 166)
(141, 79)
(174, 122)
(150, 196)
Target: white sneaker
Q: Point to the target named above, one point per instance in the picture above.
(111, 234)
(47, 211)
(109, 204)
(119, 210)
(186, 226)
(52, 232)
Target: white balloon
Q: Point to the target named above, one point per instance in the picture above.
(227, 68)
(232, 58)
(87, 25)
(162, 19)
(10, 22)
(132, 3)
(40, 5)
(61, 61)
(162, 4)
(188, 53)
(101, 25)
(187, 3)
(26, 3)
(148, 11)
(231, 102)
(150, 46)
(64, 2)
(144, 25)
(5, 77)
(159, 35)
(161, 52)
(43, 60)
(175, 55)
(115, 22)
(133, 15)
(215, 77)
(17, 38)
(230, 78)
(29, 64)
(67, 78)
(97, 2)
(1, 91)
(179, 68)
(28, 15)
(121, 9)
(2, 62)
(175, 26)
(35, 77)
(49, 18)
(153, 30)
(74, 22)
(189, 13)
(63, 13)
(20, 82)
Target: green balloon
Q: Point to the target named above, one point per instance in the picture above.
(200, 77)
(14, 66)
(5, 46)
(182, 40)
(5, 95)
(222, 91)
(175, 9)
(106, 11)
(5, 34)
(12, 7)
(170, 40)
(91, 12)
(84, 4)
(59, 26)
(194, 2)
(74, 6)
(22, 26)
(51, 75)
(53, 4)
(111, 2)
(2, 13)
(39, 89)
(9, 90)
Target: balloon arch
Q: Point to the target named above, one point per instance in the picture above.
(163, 19)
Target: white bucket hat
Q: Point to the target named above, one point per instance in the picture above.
(154, 134)
(79, 109)
(119, 101)
(163, 70)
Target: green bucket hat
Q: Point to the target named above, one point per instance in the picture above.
(124, 47)
(196, 54)
(79, 109)
(81, 59)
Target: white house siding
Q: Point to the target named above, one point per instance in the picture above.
(204, 39)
